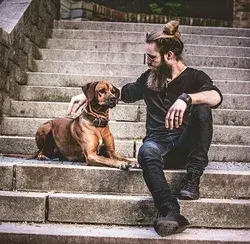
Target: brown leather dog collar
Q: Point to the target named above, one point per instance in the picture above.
(96, 121)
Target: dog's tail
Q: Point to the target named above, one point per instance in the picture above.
(18, 155)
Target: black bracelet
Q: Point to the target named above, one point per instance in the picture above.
(186, 98)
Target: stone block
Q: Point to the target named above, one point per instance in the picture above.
(76, 5)
(17, 206)
(65, 13)
(4, 51)
(6, 176)
(76, 13)
(4, 37)
(66, 4)
(3, 78)
(139, 210)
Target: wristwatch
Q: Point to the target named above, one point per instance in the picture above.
(186, 98)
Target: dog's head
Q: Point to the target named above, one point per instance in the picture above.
(102, 93)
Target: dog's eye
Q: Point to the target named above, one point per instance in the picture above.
(113, 91)
(102, 90)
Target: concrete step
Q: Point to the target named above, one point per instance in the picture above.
(129, 148)
(48, 177)
(189, 49)
(27, 145)
(141, 27)
(122, 112)
(64, 94)
(139, 58)
(124, 130)
(127, 70)
(118, 209)
(19, 233)
(78, 80)
(115, 36)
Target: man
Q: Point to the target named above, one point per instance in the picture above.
(178, 125)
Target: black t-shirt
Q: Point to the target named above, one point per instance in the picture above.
(189, 81)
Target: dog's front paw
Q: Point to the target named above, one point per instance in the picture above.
(134, 164)
(124, 165)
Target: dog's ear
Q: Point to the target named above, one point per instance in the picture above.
(89, 90)
(117, 92)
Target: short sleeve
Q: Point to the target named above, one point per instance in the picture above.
(133, 92)
(202, 82)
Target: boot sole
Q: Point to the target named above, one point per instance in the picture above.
(186, 195)
(165, 228)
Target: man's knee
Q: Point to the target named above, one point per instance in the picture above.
(201, 112)
(148, 150)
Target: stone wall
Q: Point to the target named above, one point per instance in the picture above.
(241, 13)
(24, 27)
(77, 10)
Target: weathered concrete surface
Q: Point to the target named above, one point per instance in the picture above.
(22, 206)
(139, 210)
(129, 36)
(96, 234)
(217, 152)
(78, 80)
(141, 27)
(139, 58)
(209, 50)
(73, 80)
(18, 144)
(6, 176)
(125, 130)
(236, 101)
(122, 112)
(69, 178)
(64, 94)
(127, 70)
(27, 145)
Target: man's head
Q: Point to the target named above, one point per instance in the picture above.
(164, 47)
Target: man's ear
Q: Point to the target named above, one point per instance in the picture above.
(168, 56)
(89, 90)
(117, 92)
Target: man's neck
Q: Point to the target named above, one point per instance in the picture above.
(177, 68)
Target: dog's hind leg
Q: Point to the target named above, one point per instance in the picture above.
(45, 142)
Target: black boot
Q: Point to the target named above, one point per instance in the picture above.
(190, 187)
(170, 223)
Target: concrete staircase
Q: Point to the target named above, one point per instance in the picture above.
(49, 193)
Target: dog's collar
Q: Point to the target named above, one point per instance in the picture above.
(96, 121)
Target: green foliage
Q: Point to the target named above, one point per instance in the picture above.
(166, 8)
(155, 8)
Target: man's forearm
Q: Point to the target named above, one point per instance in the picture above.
(211, 98)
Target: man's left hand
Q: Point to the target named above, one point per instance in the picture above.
(174, 117)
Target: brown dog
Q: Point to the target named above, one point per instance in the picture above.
(85, 137)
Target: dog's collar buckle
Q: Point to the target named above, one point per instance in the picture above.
(100, 122)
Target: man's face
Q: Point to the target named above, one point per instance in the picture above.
(154, 59)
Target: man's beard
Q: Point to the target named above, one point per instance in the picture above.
(158, 77)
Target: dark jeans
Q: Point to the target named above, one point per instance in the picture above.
(176, 150)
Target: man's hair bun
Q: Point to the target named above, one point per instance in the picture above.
(171, 28)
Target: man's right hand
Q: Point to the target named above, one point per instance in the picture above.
(75, 103)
